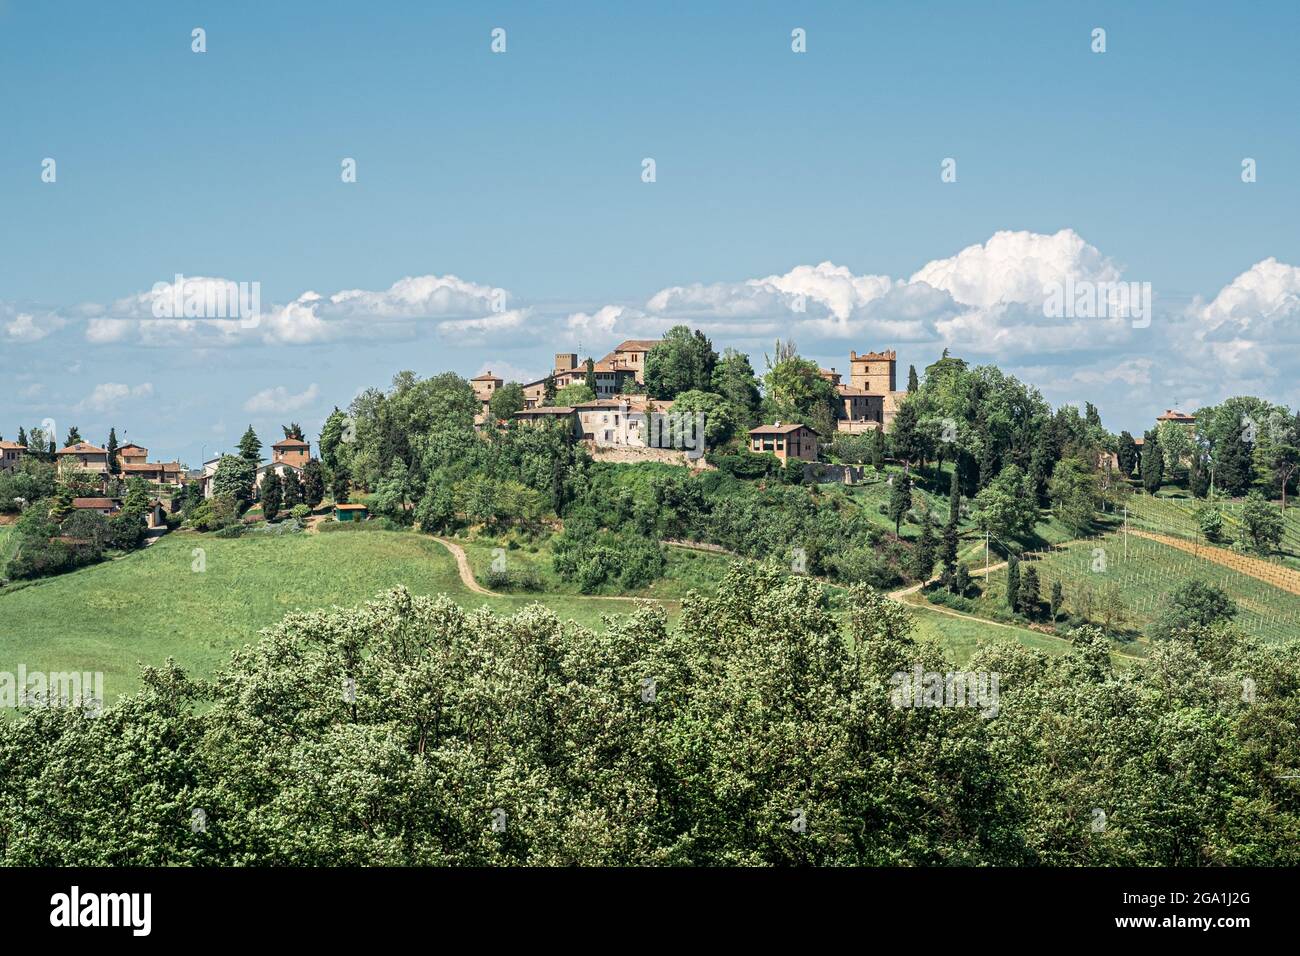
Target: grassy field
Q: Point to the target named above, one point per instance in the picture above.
(153, 604)
(687, 569)
(1146, 576)
(150, 605)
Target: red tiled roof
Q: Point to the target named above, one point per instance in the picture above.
(87, 503)
(779, 429)
(81, 448)
(292, 443)
(152, 466)
(486, 377)
(12, 445)
(636, 345)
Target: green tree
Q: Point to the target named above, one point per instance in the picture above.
(272, 495)
(234, 479)
(1192, 608)
(1074, 494)
(1013, 582)
(1029, 594)
(1006, 508)
(291, 490)
(575, 393)
(719, 415)
(1127, 454)
(250, 447)
(924, 553)
(900, 499)
(1232, 461)
(293, 430)
(682, 361)
(507, 400)
(590, 377)
(878, 449)
(1262, 523)
(1056, 601)
(114, 466)
(313, 484)
(734, 380)
(797, 392)
(74, 437)
(331, 437)
(913, 383)
(1153, 464)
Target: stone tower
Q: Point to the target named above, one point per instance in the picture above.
(874, 371)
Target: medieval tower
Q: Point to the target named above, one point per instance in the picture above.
(873, 371)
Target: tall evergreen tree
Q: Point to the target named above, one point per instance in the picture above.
(111, 448)
(906, 437)
(292, 493)
(22, 436)
(924, 553)
(590, 377)
(293, 430)
(878, 449)
(900, 498)
(913, 384)
(1013, 582)
(1153, 464)
(272, 495)
(1028, 596)
(1127, 454)
(313, 484)
(74, 436)
(250, 447)
(1232, 462)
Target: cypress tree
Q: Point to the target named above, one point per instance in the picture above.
(1013, 581)
(272, 495)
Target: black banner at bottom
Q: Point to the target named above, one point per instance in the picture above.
(337, 905)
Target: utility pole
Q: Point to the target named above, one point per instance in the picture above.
(1126, 532)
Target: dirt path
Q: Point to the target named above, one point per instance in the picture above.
(467, 578)
(1286, 579)
(462, 565)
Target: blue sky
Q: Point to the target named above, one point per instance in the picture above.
(521, 172)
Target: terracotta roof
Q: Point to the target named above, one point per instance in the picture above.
(153, 466)
(486, 377)
(546, 410)
(636, 345)
(292, 443)
(784, 429)
(86, 503)
(12, 445)
(351, 507)
(1172, 416)
(81, 448)
(123, 448)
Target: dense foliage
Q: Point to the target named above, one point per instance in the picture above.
(759, 730)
